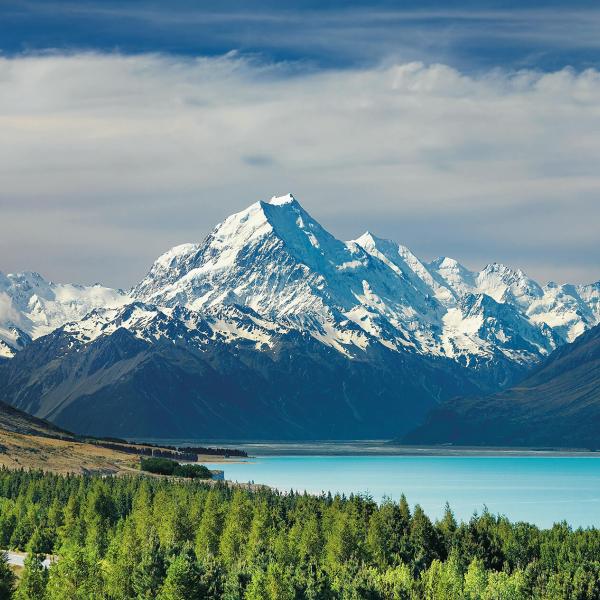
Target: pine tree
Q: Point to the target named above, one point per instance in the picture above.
(447, 528)
(341, 544)
(398, 583)
(211, 525)
(33, 580)
(502, 585)
(388, 530)
(149, 573)
(72, 528)
(443, 580)
(279, 583)
(171, 518)
(122, 558)
(75, 576)
(183, 580)
(212, 578)
(475, 580)
(260, 530)
(257, 588)
(7, 578)
(310, 545)
(424, 539)
(404, 510)
(236, 529)
(98, 515)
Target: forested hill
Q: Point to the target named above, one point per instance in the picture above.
(557, 405)
(134, 537)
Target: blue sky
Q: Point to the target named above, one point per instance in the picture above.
(465, 129)
(469, 35)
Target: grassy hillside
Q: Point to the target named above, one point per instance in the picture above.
(17, 421)
(32, 443)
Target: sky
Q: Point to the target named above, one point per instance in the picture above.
(462, 129)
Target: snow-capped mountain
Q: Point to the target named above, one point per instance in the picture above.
(276, 259)
(227, 372)
(272, 326)
(30, 307)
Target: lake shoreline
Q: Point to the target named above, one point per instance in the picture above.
(540, 489)
(256, 448)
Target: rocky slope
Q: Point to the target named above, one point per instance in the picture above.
(18, 421)
(556, 405)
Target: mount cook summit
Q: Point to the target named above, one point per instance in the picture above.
(273, 328)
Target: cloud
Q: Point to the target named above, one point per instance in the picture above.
(465, 34)
(106, 160)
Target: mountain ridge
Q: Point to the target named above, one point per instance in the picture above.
(222, 373)
(270, 282)
(406, 306)
(557, 404)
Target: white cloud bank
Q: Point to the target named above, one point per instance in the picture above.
(106, 160)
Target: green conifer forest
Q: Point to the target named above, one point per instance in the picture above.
(123, 538)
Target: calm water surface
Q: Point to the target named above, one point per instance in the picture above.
(537, 489)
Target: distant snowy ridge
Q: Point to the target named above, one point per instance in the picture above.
(272, 269)
(31, 307)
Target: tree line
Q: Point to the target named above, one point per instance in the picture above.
(138, 537)
(165, 466)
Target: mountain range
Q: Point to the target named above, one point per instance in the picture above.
(558, 404)
(273, 328)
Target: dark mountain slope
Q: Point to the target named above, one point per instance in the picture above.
(557, 405)
(17, 421)
(177, 382)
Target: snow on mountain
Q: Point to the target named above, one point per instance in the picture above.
(272, 269)
(277, 260)
(402, 261)
(31, 307)
(452, 275)
(568, 309)
(227, 324)
(485, 314)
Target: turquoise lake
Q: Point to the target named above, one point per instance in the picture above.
(538, 489)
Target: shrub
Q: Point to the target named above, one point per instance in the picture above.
(164, 466)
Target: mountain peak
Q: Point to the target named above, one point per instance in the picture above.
(368, 238)
(447, 264)
(280, 200)
(496, 267)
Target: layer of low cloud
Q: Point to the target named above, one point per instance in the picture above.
(108, 160)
